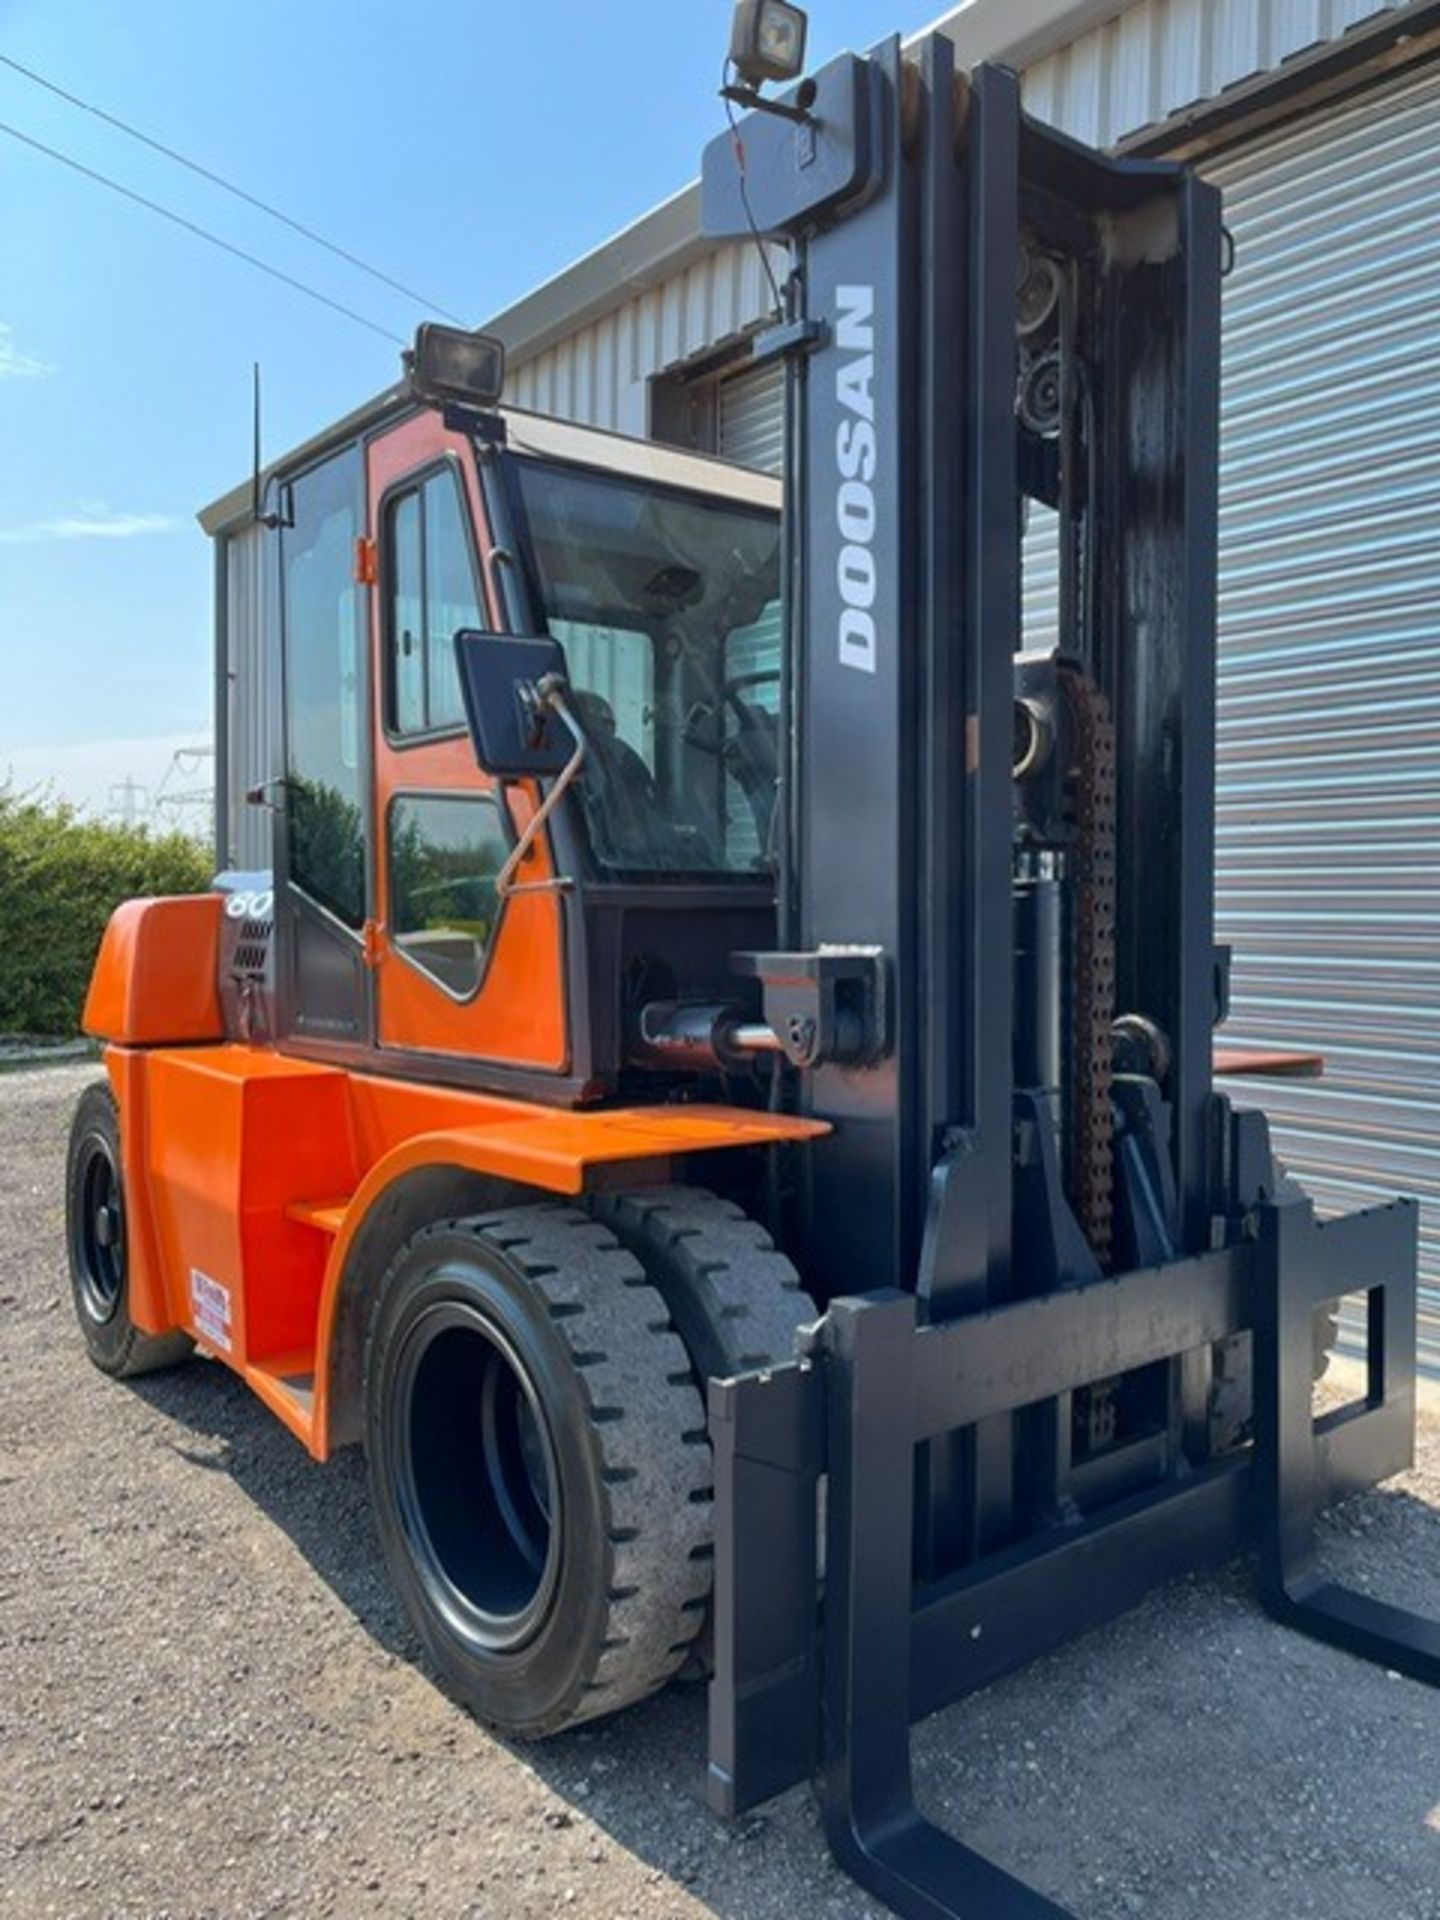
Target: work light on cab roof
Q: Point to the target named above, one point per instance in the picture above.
(450, 366)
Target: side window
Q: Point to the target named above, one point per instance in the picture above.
(324, 817)
(445, 853)
(431, 595)
(451, 601)
(407, 617)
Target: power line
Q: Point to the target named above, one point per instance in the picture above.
(203, 233)
(229, 186)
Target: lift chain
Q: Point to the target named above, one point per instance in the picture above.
(1091, 1124)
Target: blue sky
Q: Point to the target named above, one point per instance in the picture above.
(469, 149)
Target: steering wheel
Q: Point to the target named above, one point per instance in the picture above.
(705, 713)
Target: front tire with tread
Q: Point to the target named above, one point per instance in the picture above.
(631, 1486)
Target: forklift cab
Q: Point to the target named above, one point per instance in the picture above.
(658, 575)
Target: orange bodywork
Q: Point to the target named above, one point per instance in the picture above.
(248, 1174)
(156, 978)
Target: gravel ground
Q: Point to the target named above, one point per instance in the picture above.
(210, 1704)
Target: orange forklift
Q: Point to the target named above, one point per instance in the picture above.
(384, 1141)
(715, 1090)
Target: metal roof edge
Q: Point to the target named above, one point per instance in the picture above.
(1017, 33)
(666, 240)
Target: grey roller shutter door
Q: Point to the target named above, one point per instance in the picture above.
(751, 427)
(1329, 794)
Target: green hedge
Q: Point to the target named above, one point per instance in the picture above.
(61, 876)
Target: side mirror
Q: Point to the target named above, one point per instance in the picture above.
(516, 730)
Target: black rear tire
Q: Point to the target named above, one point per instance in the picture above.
(539, 1466)
(95, 1237)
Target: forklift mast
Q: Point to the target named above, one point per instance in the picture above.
(1055, 1258)
(917, 204)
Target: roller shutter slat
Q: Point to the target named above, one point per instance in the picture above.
(752, 418)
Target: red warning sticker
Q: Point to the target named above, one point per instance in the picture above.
(211, 1305)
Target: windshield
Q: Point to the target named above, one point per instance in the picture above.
(667, 606)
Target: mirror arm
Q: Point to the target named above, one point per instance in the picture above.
(549, 692)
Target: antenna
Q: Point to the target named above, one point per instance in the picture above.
(255, 442)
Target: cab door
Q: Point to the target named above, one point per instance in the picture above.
(321, 805)
(461, 975)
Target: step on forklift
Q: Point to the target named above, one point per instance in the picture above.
(708, 960)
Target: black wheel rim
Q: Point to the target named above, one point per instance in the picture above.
(98, 1229)
(476, 1478)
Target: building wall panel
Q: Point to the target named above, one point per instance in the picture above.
(600, 374)
(1163, 56)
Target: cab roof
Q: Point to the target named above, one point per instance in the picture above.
(533, 433)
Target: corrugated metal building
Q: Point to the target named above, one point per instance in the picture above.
(1321, 120)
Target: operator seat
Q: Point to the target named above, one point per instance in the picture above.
(622, 808)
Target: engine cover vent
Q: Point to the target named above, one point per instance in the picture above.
(247, 955)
